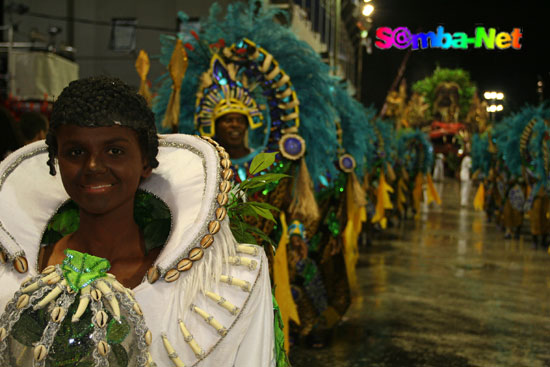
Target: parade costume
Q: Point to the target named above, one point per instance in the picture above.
(206, 299)
(275, 70)
(481, 168)
(416, 155)
(534, 150)
(341, 199)
(381, 172)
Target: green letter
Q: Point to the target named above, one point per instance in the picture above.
(487, 40)
(460, 40)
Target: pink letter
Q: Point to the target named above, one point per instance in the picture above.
(385, 36)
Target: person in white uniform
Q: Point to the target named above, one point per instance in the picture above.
(465, 182)
(100, 296)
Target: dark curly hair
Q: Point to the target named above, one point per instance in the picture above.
(102, 101)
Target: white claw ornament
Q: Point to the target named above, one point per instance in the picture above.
(81, 284)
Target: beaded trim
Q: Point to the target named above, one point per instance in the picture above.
(3, 178)
(217, 212)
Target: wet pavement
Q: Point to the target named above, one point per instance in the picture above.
(446, 290)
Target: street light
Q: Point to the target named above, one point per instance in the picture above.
(367, 10)
(493, 107)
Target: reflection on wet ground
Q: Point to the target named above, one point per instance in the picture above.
(446, 290)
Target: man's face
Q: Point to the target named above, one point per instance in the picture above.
(231, 130)
(101, 167)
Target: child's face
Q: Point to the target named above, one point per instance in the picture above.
(101, 167)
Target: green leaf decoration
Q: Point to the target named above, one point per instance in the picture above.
(82, 269)
(261, 162)
(262, 180)
(117, 331)
(242, 236)
(29, 327)
(151, 214)
(155, 233)
(280, 353)
(263, 212)
(265, 205)
(118, 356)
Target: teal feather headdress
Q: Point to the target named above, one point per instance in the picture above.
(385, 143)
(415, 152)
(357, 131)
(309, 75)
(481, 156)
(515, 141)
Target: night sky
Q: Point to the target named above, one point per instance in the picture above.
(514, 72)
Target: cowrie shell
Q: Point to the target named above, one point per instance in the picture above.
(153, 274)
(225, 186)
(207, 241)
(226, 163)
(227, 174)
(103, 348)
(148, 337)
(223, 154)
(171, 275)
(221, 213)
(101, 319)
(58, 314)
(3, 334)
(213, 227)
(20, 264)
(22, 301)
(196, 253)
(185, 264)
(222, 198)
(40, 353)
(96, 294)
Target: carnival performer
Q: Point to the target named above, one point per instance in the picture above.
(465, 180)
(196, 297)
(416, 153)
(241, 64)
(439, 168)
(534, 149)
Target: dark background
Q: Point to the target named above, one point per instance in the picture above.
(514, 72)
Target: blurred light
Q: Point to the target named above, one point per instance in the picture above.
(367, 1)
(367, 10)
(460, 151)
(499, 107)
(493, 95)
(364, 33)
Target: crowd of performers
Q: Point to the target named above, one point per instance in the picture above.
(511, 161)
(252, 86)
(287, 154)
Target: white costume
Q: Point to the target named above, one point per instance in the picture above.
(211, 304)
(439, 168)
(465, 182)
